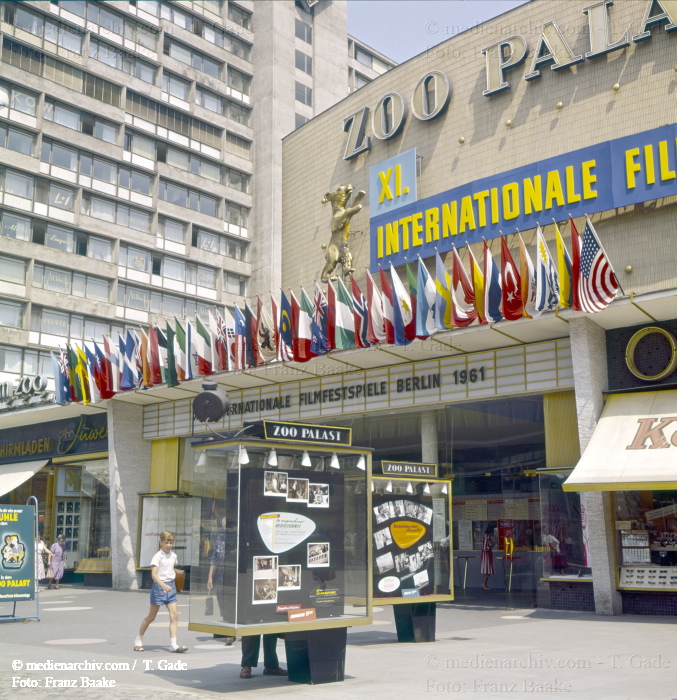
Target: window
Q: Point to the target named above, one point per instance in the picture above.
(15, 98)
(25, 363)
(304, 63)
(172, 230)
(55, 279)
(236, 214)
(222, 245)
(190, 162)
(234, 284)
(363, 56)
(14, 226)
(16, 140)
(151, 7)
(29, 188)
(60, 238)
(236, 112)
(52, 33)
(11, 315)
(133, 297)
(19, 185)
(61, 73)
(304, 94)
(300, 120)
(220, 105)
(193, 58)
(134, 258)
(175, 86)
(236, 179)
(192, 199)
(360, 80)
(215, 35)
(139, 145)
(304, 31)
(238, 81)
(238, 146)
(176, 16)
(213, 6)
(12, 270)
(113, 212)
(239, 16)
(65, 325)
(80, 121)
(61, 197)
(122, 60)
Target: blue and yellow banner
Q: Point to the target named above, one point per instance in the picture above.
(609, 175)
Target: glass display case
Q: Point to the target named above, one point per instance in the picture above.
(412, 552)
(282, 531)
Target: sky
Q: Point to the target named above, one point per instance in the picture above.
(401, 29)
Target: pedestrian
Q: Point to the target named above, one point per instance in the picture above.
(487, 557)
(41, 551)
(250, 656)
(58, 551)
(163, 592)
(225, 545)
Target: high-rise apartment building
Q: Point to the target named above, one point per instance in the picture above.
(140, 157)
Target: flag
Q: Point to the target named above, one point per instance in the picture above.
(425, 302)
(182, 352)
(492, 287)
(402, 311)
(252, 340)
(204, 344)
(528, 282)
(129, 374)
(464, 311)
(597, 282)
(478, 285)
(93, 372)
(413, 285)
(301, 315)
(360, 316)
(75, 388)
(388, 312)
(219, 344)
(192, 354)
(376, 332)
(563, 271)
(82, 375)
(162, 353)
(62, 389)
(547, 283)
(319, 322)
(144, 350)
(265, 333)
(344, 334)
(331, 317)
(285, 346)
(511, 290)
(172, 375)
(106, 387)
(112, 352)
(239, 344)
(154, 356)
(443, 305)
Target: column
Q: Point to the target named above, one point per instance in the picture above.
(129, 457)
(588, 350)
(429, 453)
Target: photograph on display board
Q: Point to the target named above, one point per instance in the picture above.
(426, 551)
(384, 512)
(385, 562)
(318, 554)
(425, 514)
(421, 579)
(318, 495)
(275, 484)
(398, 509)
(411, 509)
(414, 562)
(263, 566)
(289, 577)
(383, 538)
(401, 562)
(297, 490)
(265, 591)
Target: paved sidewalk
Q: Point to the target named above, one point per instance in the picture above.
(480, 653)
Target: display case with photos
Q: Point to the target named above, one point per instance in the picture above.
(646, 539)
(411, 546)
(283, 531)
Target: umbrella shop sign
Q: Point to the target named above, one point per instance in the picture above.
(17, 552)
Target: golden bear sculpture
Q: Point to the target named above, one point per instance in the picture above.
(338, 250)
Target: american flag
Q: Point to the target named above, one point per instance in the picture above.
(597, 282)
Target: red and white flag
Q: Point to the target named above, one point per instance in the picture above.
(511, 291)
(376, 332)
(462, 294)
(388, 311)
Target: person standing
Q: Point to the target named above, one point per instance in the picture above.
(41, 550)
(223, 547)
(163, 592)
(58, 551)
(250, 656)
(487, 557)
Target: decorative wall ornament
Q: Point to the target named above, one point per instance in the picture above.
(338, 250)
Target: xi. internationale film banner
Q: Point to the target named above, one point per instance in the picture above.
(609, 175)
(17, 552)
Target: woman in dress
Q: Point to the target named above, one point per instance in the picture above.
(487, 557)
(58, 549)
(39, 561)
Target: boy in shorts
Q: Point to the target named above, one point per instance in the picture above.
(163, 592)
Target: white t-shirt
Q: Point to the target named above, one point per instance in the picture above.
(165, 565)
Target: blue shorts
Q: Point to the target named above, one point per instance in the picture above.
(159, 597)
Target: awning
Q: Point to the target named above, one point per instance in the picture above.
(634, 446)
(13, 475)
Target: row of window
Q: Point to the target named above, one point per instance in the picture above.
(221, 105)
(47, 29)
(115, 57)
(168, 305)
(79, 120)
(36, 189)
(158, 9)
(25, 362)
(103, 18)
(59, 72)
(116, 213)
(69, 241)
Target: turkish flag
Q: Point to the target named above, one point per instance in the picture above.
(511, 292)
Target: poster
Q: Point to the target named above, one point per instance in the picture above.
(403, 534)
(17, 552)
(465, 539)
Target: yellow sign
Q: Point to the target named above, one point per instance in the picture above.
(406, 533)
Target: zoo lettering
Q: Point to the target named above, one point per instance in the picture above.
(432, 92)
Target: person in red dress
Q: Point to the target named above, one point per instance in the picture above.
(487, 557)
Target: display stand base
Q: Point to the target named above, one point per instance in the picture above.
(415, 622)
(316, 656)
